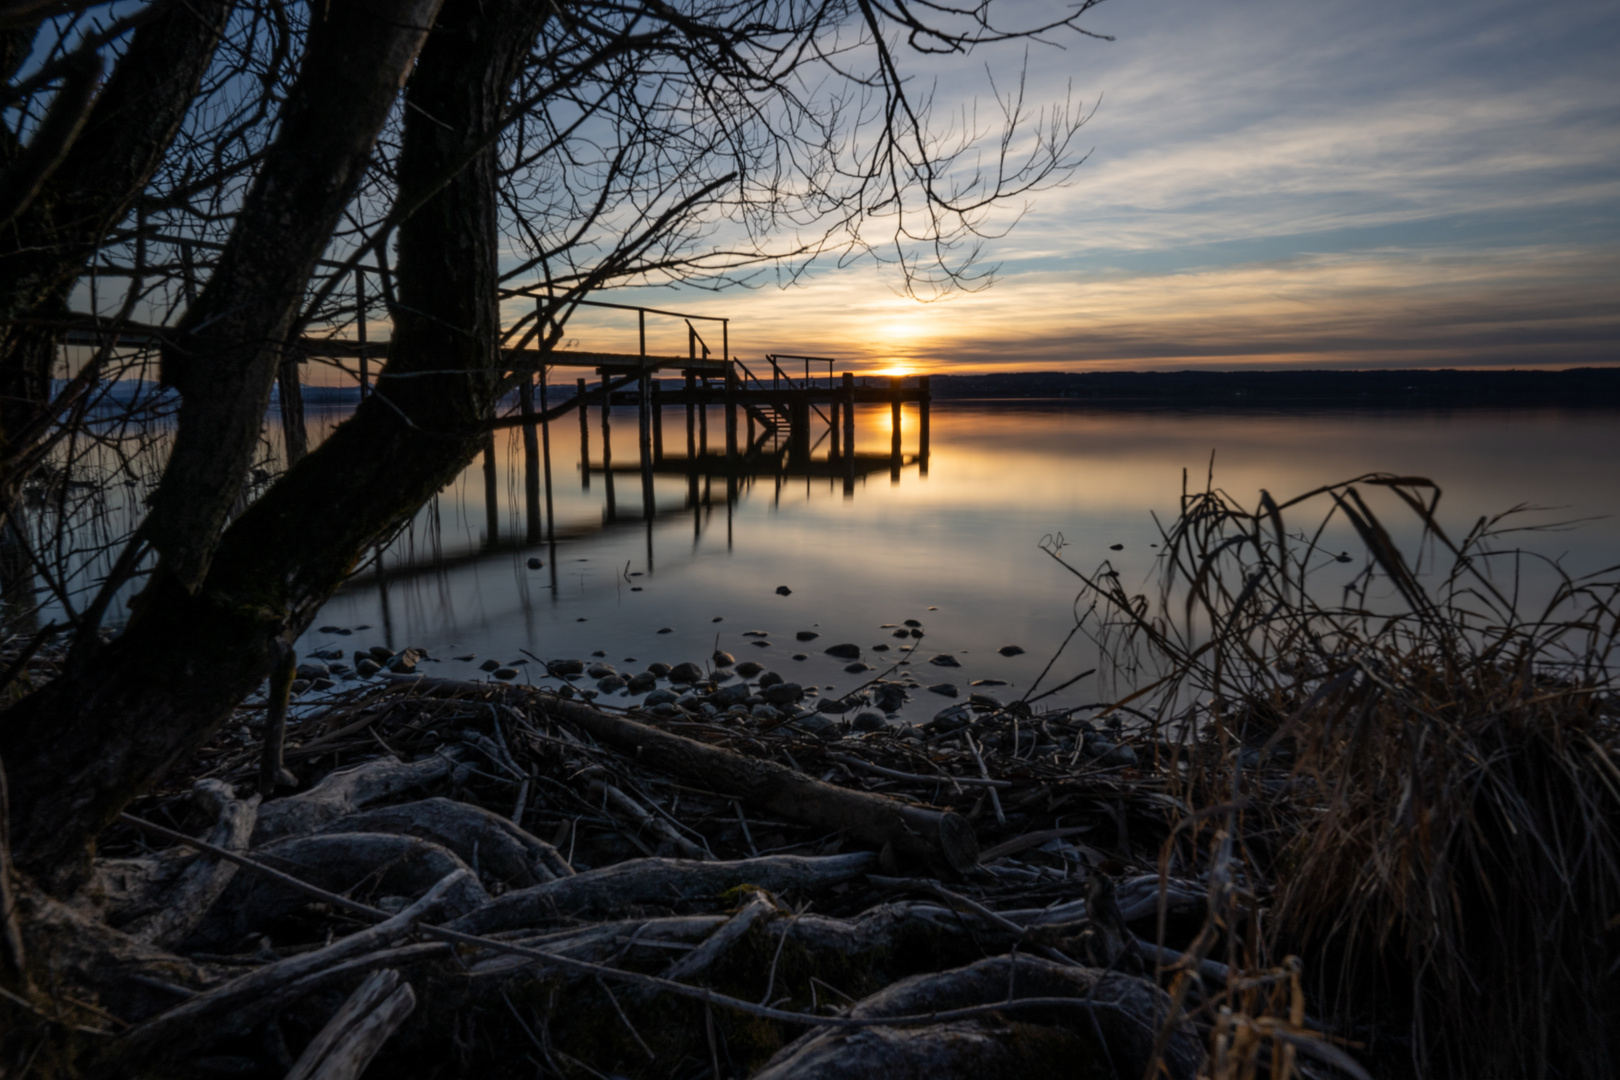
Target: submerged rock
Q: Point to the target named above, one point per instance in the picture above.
(724, 659)
(565, 667)
(889, 696)
(1011, 650)
(868, 721)
(748, 669)
(770, 678)
(945, 688)
(661, 697)
(782, 693)
(944, 659)
(845, 651)
(685, 673)
(806, 635)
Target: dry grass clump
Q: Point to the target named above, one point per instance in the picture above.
(1420, 766)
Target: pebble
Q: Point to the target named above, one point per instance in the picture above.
(658, 669)
(724, 659)
(718, 618)
(914, 622)
(322, 684)
(1116, 547)
(833, 705)
(951, 718)
(889, 696)
(783, 590)
(818, 726)
(559, 667)
(610, 684)
(748, 669)
(988, 682)
(378, 652)
(299, 686)
(770, 678)
(984, 701)
(756, 633)
(880, 648)
(800, 656)
(806, 635)
(902, 632)
(766, 713)
(601, 671)
(685, 673)
(782, 693)
(945, 688)
(313, 670)
(869, 721)
(763, 644)
(1011, 650)
(857, 667)
(846, 651)
(367, 668)
(944, 659)
(405, 662)
(661, 697)
(916, 633)
(535, 564)
(508, 673)
(640, 684)
(327, 630)
(666, 630)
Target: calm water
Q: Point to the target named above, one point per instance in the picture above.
(956, 548)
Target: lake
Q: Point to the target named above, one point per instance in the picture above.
(957, 547)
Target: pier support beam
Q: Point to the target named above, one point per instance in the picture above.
(658, 419)
(607, 449)
(492, 501)
(645, 447)
(531, 461)
(849, 435)
(926, 385)
(894, 427)
(545, 461)
(584, 436)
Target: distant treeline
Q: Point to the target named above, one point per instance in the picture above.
(1576, 386)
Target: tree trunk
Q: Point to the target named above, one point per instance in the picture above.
(94, 738)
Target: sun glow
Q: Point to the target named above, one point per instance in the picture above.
(893, 370)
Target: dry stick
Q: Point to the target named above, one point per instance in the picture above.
(995, 800)
(15, 958)
(376, 990)
(272, 768)
(697, 993)
(896, 774)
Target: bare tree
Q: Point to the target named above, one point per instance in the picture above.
(616, 144)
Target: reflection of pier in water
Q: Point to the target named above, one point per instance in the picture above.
(774, 427)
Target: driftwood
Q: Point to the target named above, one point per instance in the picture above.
(204, 877)
(343, 793)
(658, 882)
(1107, 1026)
(346, 1045)
(913, 830)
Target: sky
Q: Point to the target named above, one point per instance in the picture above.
(1315, 183)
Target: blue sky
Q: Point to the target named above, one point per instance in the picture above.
(1277, 184)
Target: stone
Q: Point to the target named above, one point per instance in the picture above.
(783, 590)
(766, 713)
(509, 673)
(367, 668)
(914, 623)
(338, 668)
(327, 654)
(685, 673)
(661, 697)
(748, 669)
(944, 659)
(818, 726)
(945, 688)
(405, 663)
(916, 633)
(489, 665)
(664, 708)
(889, 696)
(880, 648)
(868, 721)
(902, 632)
(658, 668)
(988, 682)
(800, 656)
(727, 696)
(846, 651)
(610, 684)
(720, 675)
(312, 670)
(782, 693)
(640, 684)
(857, 667)
(1116, 547)
(1120, 756)
(952, 718)
(1011, 650)
(756, 633)
(770, 678)
(601, 671)
(565, 667)
(299, 686)
(806, 635)
(833, 705)
(762, 644)
(666, 629)
(378, 652)
(723, 659)
(984, 701)
(598, 652)
(322, 684)
(535, 564)
(328, 630)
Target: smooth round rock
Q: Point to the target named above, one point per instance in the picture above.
(535, 564)
(770, 678)
(724, 659)
(844, 651)
(661, 697)
(783, 590)
(1011, 650)
(806, 635)
(782, 693)
(857, 667)
(748, 669)
(945, 688)
(944, 659)
(868, 721)
(507, 673)
(658, 669)
(601, 671)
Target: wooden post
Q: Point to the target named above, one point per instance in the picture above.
(750, 414)
(832, 427)
(894, 438)
(849, 435)
(645, 448)
(545, 459)
(925, 384)
(731, 417)
(360, 332)
(492, 503)
(531, 461)
(584, 435)
(658, 420)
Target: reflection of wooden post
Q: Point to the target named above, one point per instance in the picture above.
(531, 460)
(492, 505)
(360, 332)
(292, 410)
(607, 447)
(849, 435)
(703, 419)
(545, 452)
(894, 439)
(925, 385)
(584, 435)
(833, 431)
